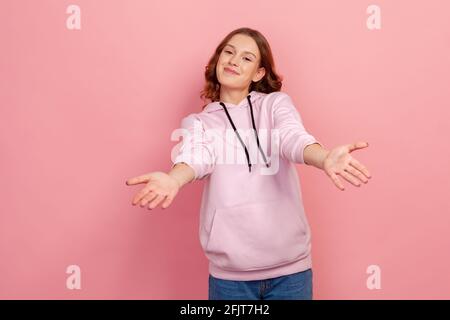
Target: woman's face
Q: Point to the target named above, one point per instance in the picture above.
(241, 55)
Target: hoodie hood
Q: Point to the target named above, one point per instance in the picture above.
(214, 106)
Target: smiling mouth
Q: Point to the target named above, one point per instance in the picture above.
(227, 70)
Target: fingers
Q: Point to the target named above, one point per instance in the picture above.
(167, 202)
(147, 198)
(152, 198)
(358, 145)
(360, 167)
(336, 180)
(350, 174)
(139, 179)
(154, 203)
(350, 178)
(141, 194)
(356, 173)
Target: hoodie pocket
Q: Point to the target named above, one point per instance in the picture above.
(257, 236)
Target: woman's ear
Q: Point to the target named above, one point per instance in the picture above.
(259, 74)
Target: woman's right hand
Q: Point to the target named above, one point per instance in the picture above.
(160, 186)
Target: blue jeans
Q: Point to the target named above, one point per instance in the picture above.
(297, 286)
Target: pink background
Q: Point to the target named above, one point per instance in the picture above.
(83, 110)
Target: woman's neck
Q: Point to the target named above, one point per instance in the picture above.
(233, 96)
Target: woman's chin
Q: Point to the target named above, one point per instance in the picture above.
(224, 84)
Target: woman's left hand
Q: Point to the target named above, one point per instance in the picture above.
(340, 162)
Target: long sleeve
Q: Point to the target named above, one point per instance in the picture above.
(293, 136)
(196, 150)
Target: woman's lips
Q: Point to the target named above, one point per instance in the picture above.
(228, 70)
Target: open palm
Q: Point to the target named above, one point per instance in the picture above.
(159, 187)
(340, 162)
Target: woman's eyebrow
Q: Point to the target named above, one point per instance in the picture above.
(244, 51)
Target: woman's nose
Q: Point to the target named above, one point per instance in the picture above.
(233, 60)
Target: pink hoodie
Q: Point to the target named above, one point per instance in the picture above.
(252, 221)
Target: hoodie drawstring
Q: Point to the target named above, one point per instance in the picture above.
(239, 137)
(256, 132)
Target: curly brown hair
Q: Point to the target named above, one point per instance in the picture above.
(271, 81)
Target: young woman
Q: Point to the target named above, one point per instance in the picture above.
(253, 228)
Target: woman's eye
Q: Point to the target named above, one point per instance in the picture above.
(229, 52)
